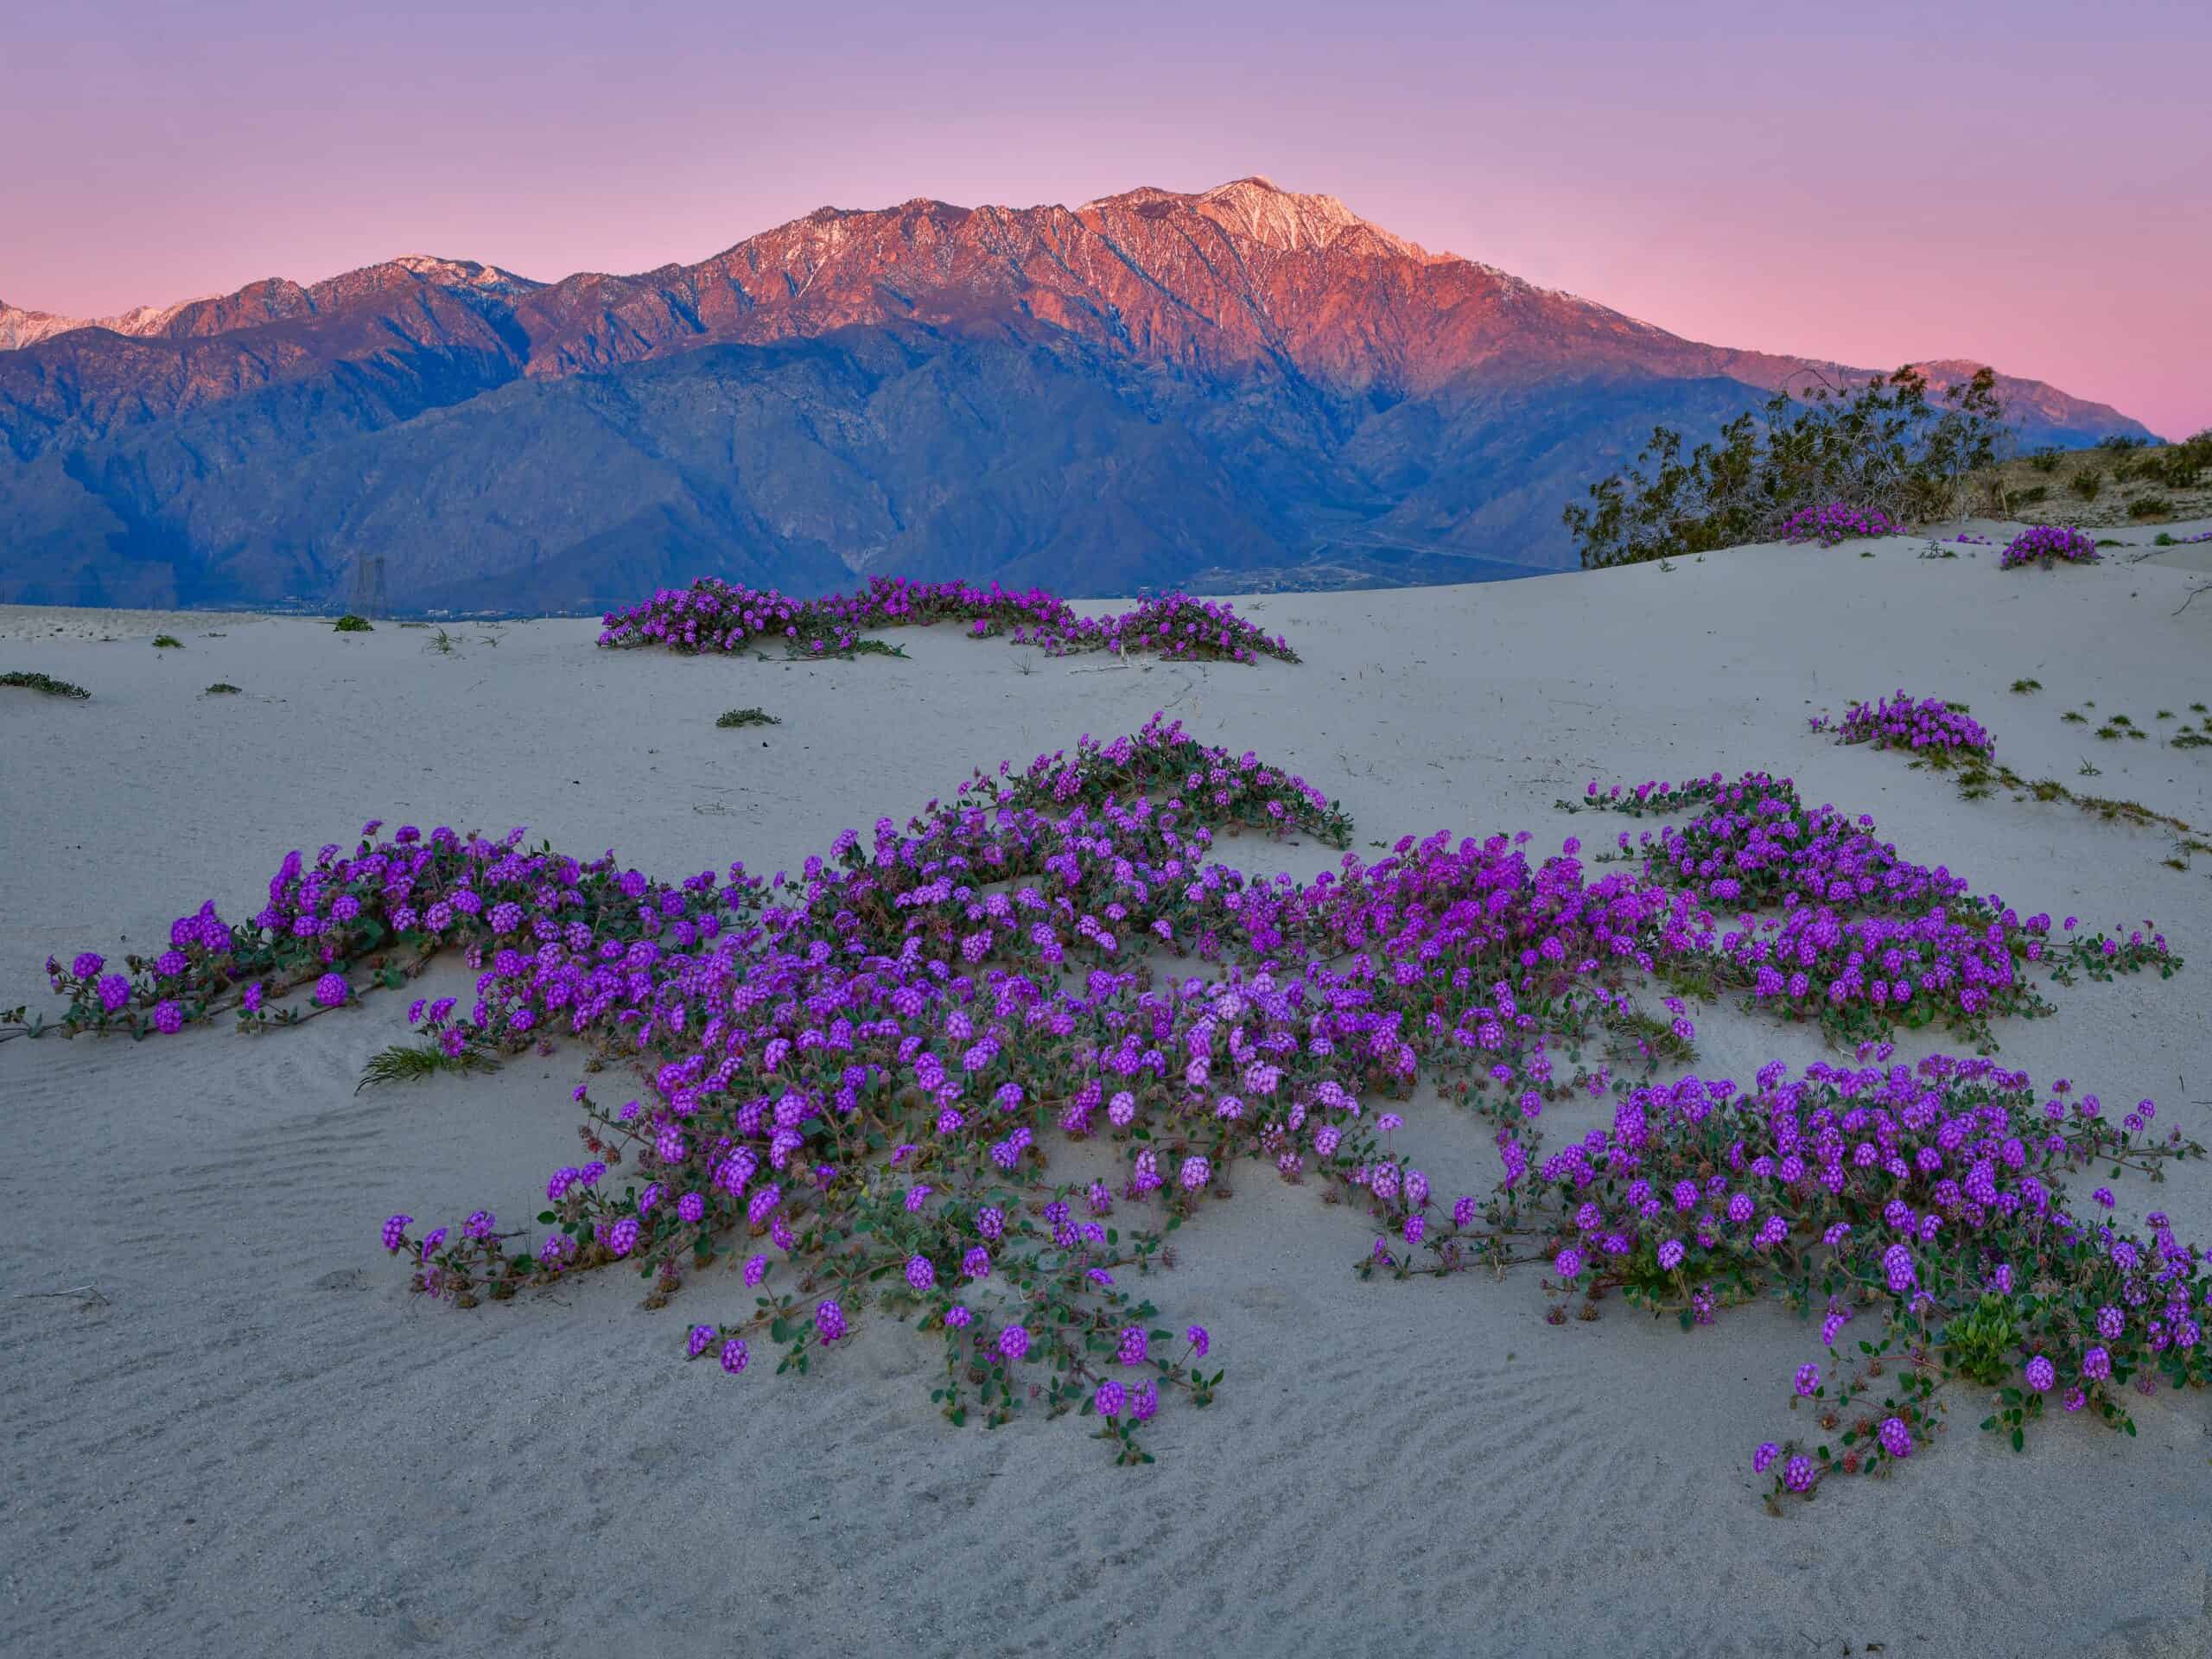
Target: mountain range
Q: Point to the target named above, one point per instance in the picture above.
(1240, 388)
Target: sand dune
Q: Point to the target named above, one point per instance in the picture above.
(250, 1439)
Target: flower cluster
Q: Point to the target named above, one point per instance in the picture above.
(1865, 940)
(383, 911)
(1837, 521)
(2046, 545)
(952, 1075)
(1930, 727)
(1933, 1197)
(714, 615)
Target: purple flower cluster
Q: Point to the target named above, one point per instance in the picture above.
(1929, 725)
(1866, 939)
(714, 615)
(2047, 545)
(1838, 522)
(1892, 1182)
(936, 999)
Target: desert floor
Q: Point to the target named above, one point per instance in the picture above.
(252, 1440)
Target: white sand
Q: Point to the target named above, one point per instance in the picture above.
(256, 1443)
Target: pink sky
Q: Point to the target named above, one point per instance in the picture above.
(2025, 183)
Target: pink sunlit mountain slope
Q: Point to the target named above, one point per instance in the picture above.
(1239, 387)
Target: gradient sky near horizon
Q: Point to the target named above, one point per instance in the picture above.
(2029, 183)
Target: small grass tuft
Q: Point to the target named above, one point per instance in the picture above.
(2024, 687)
(412, 1061)
(747, 717)
(350, 623)
(168, 642)
(222, 688)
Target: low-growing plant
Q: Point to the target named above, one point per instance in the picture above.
(1866, 942)
(2044, 460)
(222, 688)
(26, 681)
(2024, 687)
(845, 1075)
(1935, 730)
(350, 623)
(1837, 521)
(713, 615)
(2046, 545)
(2088, 483)
(168, 642)
(2150, 506)
(444, 1044)
(747, 717)
(1955, 1229)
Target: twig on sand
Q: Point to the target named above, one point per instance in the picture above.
(2200, 587)
(91, 1290)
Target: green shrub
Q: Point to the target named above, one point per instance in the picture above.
(2180, 466)
(2044, 460)
(748, 717)
(2088, 483)
(45, 682)
(222, 688)
(1879, 447)
(168, 642)
(350, 623)
(2150, 506)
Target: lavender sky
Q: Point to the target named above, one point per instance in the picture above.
(2025, 182)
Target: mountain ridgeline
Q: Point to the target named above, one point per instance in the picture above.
(1238, 389)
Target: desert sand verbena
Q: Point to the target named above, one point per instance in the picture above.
(254, 1441)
